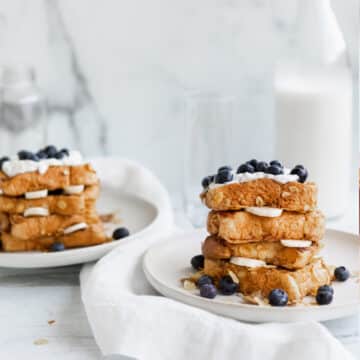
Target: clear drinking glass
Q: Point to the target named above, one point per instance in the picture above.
(23, 123)
(210, 142)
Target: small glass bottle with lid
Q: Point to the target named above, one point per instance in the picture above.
(23, 123)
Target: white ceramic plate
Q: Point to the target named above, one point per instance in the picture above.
(169, 261)
(138, 215)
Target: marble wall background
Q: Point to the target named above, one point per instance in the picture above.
(115, 72)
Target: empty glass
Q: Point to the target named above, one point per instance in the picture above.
(210, 142)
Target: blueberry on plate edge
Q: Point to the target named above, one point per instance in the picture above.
(324, 295)
(208, 291)
(341, 273)
(197, 262)
(204, 279)
(57, 246)
(278, 297)
(120, 233)
(227, 286)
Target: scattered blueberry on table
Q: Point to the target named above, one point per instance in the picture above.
(57, 246)
(324, 295)
(197, 262)
(120, 233)
(341, 273)
(227, 286)
(208, 291)
(204, 279)
(278, 297)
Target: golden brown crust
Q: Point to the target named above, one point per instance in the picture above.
(297, 284)
(273, 253)
(292, 196)
(93, 235)
(56, 177)
(241, 226)
(30, 228)
(56, 204)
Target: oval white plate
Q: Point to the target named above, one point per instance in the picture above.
(167, 262)
(138, 215)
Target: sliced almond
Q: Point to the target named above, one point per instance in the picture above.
(264, 211)
(247, 262)
(189, 285)
(233, 277)
(296, 243)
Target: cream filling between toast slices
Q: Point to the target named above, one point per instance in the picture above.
(75, 227)
(40, 194)
(36, 211)
(264, 211)
(296, 243)
(74, 189)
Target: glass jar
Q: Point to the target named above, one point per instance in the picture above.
(23, 123)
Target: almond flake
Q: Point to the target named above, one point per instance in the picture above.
(41, 342)
(189, 285)
(233, 277)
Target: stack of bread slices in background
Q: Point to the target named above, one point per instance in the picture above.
(48, 202)
(265, 230)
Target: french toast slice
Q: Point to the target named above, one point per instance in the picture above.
(92, 235)
(56, 177)
(56, 204)
(241, 227)
(273, 253)
(30, 228)
(291, 196)
(262, 280)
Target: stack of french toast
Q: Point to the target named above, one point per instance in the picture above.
(265, 231)
(48, 201)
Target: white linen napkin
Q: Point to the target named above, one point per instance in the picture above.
(128, 317)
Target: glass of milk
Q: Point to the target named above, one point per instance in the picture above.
(313, 105)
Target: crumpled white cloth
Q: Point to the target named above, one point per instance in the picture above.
(128, 317)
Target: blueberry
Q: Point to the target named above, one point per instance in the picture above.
(278, 297)
(3, 160)
(65, 151)
(275, 170)
(197, 262)
(223, 177)
(324, 297)
(341, 273)
(51, 151)
(301, 172)
(244, 168)
(25, 155)
(204, 279)
(208, 291)
(326, 288)
(59, 155)
(299, 167)
(227, 285)
(206, 181)
(120, 233)
(224, 168)
(276, 163)
(41, 154)
(253, 163)
(57, 246)
(262, 166)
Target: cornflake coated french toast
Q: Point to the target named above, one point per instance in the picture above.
(297, 284)
(265, 232)
(47, 199)
(272, 253)
(241, 226)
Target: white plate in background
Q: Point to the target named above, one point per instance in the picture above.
(169, 261)
(138, 215)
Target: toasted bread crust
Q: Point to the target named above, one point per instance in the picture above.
(292, 196)
(30, 228)
(56, 177)
(263, 280)
(56, 204)
(273, 253)
(93, 235)
(242, 227)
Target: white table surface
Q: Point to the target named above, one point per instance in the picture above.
(31, 298)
